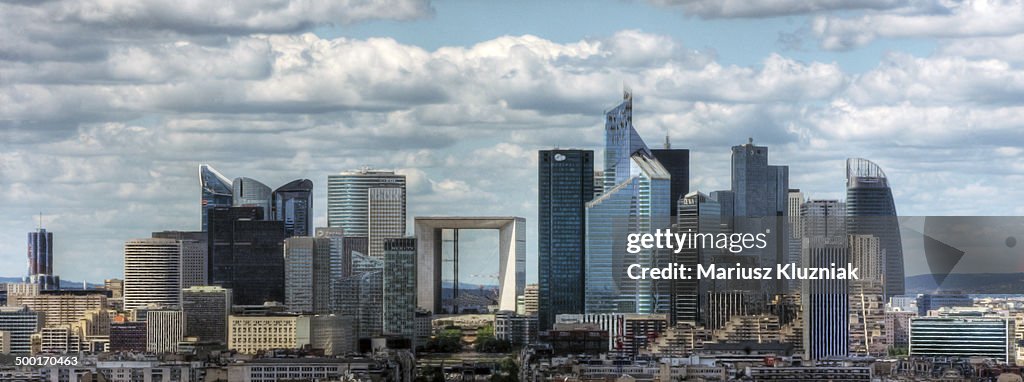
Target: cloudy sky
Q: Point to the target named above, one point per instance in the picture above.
(107, 107)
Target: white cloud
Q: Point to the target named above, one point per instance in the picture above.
(711, 9)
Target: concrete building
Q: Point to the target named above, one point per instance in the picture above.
(153, 272)
(252, 334)
(206, 310)
(164, 330)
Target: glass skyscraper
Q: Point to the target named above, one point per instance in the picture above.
(246, 254)
(870, 210)
(760, 199)
(248, 192)
(215, 191)
(566, 184)
(348, 198)
(293, 205)
(636, 199)
(40, 260)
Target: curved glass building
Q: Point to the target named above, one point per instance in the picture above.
(215, 191)
(870, 210)
(248, 192)
(293, 204)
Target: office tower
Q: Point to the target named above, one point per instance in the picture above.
(248, 192)
(943, 299)
(727, 203)
(760, 197)
(116, 287)
(19, 323)
(598, 183)
(307, 274)
(194, 256)
(867, 301)
(360, 294)
(636, 199)
(871, 211)
(336, 236)
(65, 307)
(400, 287)
(697, 213)
(963, 333)
(246, 255)
(348, 198)
(253, 334)
(206, 310)
(795, 230)
(293, 205)
(40, 260)
(677, 162)
(531, 300)
(215, 191)
(164, 329)
(386, 217)
(152, 272)
(823, 218)
(127, 336)
(566, 184)
(825, 301)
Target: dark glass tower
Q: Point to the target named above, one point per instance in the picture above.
(40, 260)
(215, 191)
(246, 254)
(677, 162)
(870, 210)
(293, 205)
(566, 185)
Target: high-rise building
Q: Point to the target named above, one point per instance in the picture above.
(677, 162)
(293, 205)
(760, 197)
(566, 184)
(164, 330)
(963, 333)
(194, 256)
(386, 217)
(19, 323)
(697, 213)
(400, 287)
(206, 310)
(348, 198)
(531, 300)
(636, 199)
(336, 236)
(823, 218)
(795, 229)
(361, 298)
(825, 301)
(214, 191)
(871, 211)
(253, 334)
(248, 192)
(246, 255)
(152, 272)
(116, 287)
(307, 274)
(40, 260)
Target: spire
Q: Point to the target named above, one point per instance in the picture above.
(668, 144)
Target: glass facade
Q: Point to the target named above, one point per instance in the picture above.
(215, 191)
(870, 210)
(246, 254)
(348, 198)
(248, 192)
(293, 205)
(566, 184)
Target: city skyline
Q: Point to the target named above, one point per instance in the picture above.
(94, 139)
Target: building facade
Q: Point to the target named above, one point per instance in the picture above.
(293, 205)
(348, 198)
(307, 274)
(153, 272)
(246, 255)
(206, 310)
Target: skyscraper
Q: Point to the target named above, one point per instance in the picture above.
(760, 197)
(40, 260)
(214, 189)
(825, 301)
(307, 274)
(636, 199)
(400, 287)
(152, 272)
(193, 255)
(206, 310)
(386, 217)
(566, 184)
(677, 162)
(348, 198)
(696, 213)
(871, 211)
(336, 236)
(293, 205)
(248, 192)
(164, 330)
(246, 254)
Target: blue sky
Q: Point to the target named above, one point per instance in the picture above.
(107, 107)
